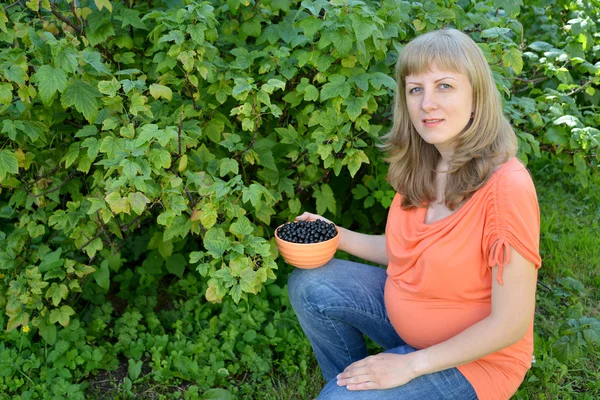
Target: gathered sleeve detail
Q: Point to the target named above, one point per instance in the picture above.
(513, 221)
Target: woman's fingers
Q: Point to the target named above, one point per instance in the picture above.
(306, 216)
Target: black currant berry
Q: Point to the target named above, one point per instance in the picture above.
(307, 231)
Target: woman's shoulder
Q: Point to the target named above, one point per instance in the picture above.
(512, 174)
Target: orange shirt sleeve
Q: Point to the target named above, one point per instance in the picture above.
(513, 221)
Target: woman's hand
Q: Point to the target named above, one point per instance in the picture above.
(381, 371)
(306, 216)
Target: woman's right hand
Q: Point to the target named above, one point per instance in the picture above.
(306, 216)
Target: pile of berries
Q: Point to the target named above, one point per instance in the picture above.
(307, 231)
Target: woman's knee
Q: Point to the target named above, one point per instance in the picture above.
(311, 284)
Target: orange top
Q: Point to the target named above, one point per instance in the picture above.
(440, 277)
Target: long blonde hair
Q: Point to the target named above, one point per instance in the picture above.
(487, 141)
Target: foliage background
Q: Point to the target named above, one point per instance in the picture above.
(149, 149)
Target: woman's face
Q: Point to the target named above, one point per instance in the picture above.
(440, 104)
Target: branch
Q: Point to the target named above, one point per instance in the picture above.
(579, 89)
(63, 183)
(64, 19)
(295, 163)
(13, 4)
(179, 132)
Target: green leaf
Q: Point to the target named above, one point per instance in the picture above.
(6, 94)
(512, 7)
(20, 318)
(176, 264)
(513, 59)
(84, 97)
(130, 168)
(325, 199)
(57, 293)
(249, 281)
(102, 275)
(9, 164)
(215, 242)
(217, 394)
(336, 87)
(310, 25)
(117, 203)
(227, 165)
(160, 158)
(213, 129)
(158, 91)
(294, 206)
(362, 29)
(95, 246)
(356, 160)
(208, 215)
(47, 332)
(109, 88)
(66, 59)
(103, 4)
(15, 74)
(242, 227)
(138, 202)
(566, 348)
(135, 369)
(50, 81)
(62, 315)
(379, 79)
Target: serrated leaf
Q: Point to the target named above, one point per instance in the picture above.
(109, 88)
(158, 91)
(176, 264)
(57, 293)
(213, 129)
(6, 94)
(208, 215)
(325, 199)
(215, 242)
(566, 348)
(84, 97)
(242, 227)
(103, 4)
(62, 315)
(138, 202)
(227, 165)
(117, 203)
(356, 160)
(160, 158)
(336, 87)
(50, 81)
(513, 59)
(92, 248)
(8, 163)
(362, 29)
(249, 281)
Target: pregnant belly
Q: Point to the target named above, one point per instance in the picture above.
(423, 323)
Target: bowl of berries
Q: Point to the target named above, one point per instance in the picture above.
(307, 244)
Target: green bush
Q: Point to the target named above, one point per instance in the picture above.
(149, 149)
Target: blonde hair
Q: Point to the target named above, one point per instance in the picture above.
(487, 141)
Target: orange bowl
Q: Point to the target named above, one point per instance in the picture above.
(307, 255)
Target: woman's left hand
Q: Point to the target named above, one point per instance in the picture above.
(381, 371)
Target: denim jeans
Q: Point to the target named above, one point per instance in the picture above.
(339, 302)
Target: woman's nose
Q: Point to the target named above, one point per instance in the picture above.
(428, 101)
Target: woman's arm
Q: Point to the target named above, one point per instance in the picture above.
(367, 247)
(513, 305)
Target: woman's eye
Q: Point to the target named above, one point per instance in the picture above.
(414, 90)
(445, 86)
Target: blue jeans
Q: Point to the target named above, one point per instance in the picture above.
(339, 302)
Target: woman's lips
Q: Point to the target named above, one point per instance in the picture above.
(431, 122)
